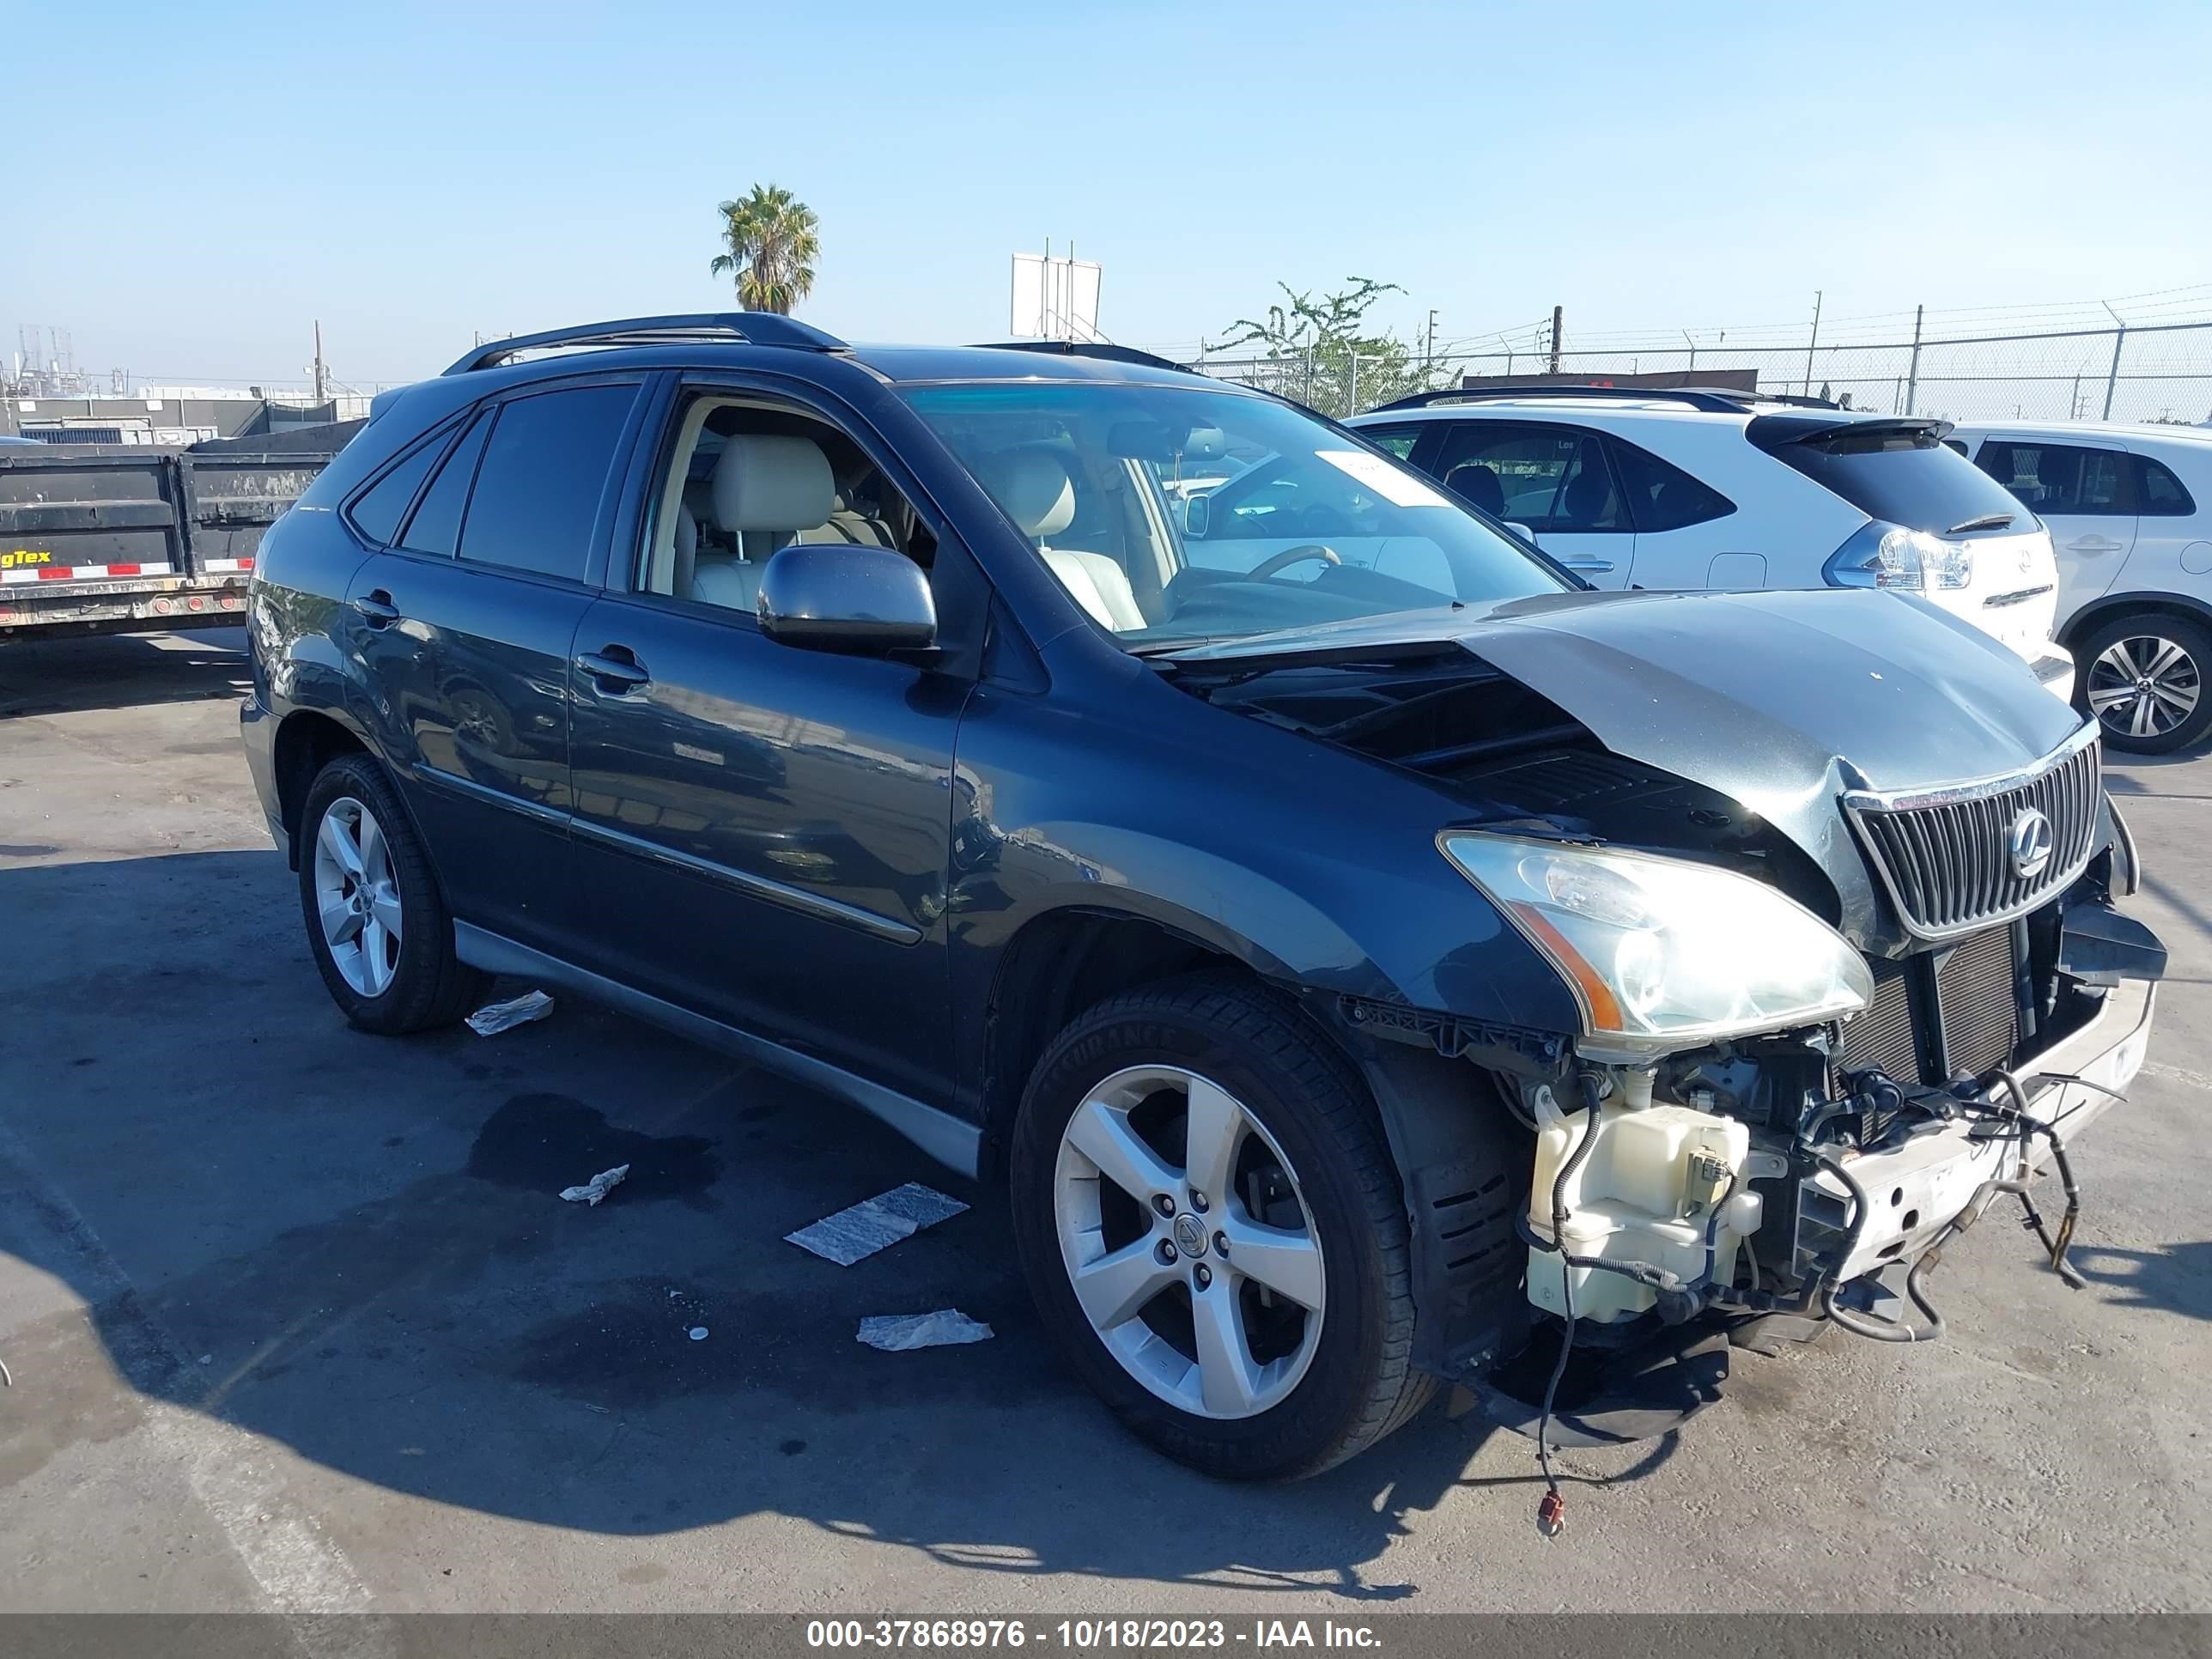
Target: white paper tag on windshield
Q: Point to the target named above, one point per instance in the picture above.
(1399, 489)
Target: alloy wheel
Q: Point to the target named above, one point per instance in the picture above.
(357, 896)
(2143, 686)
(1187, 1242)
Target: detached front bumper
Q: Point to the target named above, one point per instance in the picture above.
(1917, 1189)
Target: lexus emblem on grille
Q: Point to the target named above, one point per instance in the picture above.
(2029, 842)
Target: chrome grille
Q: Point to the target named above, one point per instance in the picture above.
(1945, 855)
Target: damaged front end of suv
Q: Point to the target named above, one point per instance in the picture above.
(1838, 910)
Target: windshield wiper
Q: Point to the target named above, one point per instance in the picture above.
(1987, 521)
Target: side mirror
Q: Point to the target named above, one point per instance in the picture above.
(1523, 531)
(1197, 515)
(833, 596)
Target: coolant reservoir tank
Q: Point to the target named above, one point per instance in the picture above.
(1649, 1191)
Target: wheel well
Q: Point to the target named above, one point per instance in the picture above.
(1053, 969)
(305, 743)
(2124, 605)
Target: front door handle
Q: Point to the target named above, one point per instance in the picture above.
(1590, 567)
(614, 668)
(377, 609)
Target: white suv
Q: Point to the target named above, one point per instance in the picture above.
(1705, 488)
(2130, 510)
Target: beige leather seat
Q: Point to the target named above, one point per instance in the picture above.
(767, 488)
(1037, 494)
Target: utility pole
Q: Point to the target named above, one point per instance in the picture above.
(320, 399)
(1430, 357)
(1912, 374)
(1813, 342)
(1557, 313)
(2112, 380)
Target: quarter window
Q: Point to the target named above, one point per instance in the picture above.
(437, 527)
(2159, 493)
(544, 470)
(2061, 478)
(376, 512)
(1661, 496)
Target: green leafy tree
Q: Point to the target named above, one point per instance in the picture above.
(771, 241)
(1323, 352)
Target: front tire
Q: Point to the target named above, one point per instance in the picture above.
(2142, 676)
(1165, 1125)
(376, 925)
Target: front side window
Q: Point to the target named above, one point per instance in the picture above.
(2060, 478)
(1548, 477)
(744, 479)
(1177, 515)
(538, 485)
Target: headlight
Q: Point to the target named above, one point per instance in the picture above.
(1889, 555)
(1664, 954)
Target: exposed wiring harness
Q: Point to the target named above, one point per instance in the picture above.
(2021, 1127)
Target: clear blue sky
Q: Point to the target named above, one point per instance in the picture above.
(189, 186)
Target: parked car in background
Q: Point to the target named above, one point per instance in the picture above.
(1723, 489)
(1267, 932)
(2129, 511)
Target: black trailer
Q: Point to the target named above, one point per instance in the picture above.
(110, 538)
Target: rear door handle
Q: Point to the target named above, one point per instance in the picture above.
(614, 668)
(377, 609)
(2092, 544)
(1593, 566)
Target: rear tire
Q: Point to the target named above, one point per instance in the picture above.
(1290, 1352)
(377, 924)
(2142, 675)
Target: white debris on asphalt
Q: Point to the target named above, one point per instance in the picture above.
(869, 1226)
(597, 1186)
(698, 1333)
(899, 1332)
(496, 1017)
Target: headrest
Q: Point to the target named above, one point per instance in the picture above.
(772, 483)
(1034, 488)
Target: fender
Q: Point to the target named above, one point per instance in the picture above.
(2108, 604)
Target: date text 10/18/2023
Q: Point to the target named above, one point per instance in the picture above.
(1090, 1635)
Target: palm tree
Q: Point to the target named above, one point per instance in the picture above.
(772, 244)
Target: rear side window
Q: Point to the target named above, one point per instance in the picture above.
(2159, 493)
(1398, 440)
(437, 527)
(376, 512)
(1548, 477)
(538, 485)
(2061, 478)
(1908, 478)
(1661, 496)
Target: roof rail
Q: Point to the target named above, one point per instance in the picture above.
(1103, 350)
(1712, 400)
(749, 327)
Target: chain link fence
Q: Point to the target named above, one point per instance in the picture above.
(2157, 373)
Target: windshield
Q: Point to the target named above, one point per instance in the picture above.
(1179, 515)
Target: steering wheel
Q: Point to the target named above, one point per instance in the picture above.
(1288, 557)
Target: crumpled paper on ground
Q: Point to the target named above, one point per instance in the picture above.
(496, 1017)
(898, 1332)
(872, 1223)
(597, 1186)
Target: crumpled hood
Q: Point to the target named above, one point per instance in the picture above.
(1781, 700)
